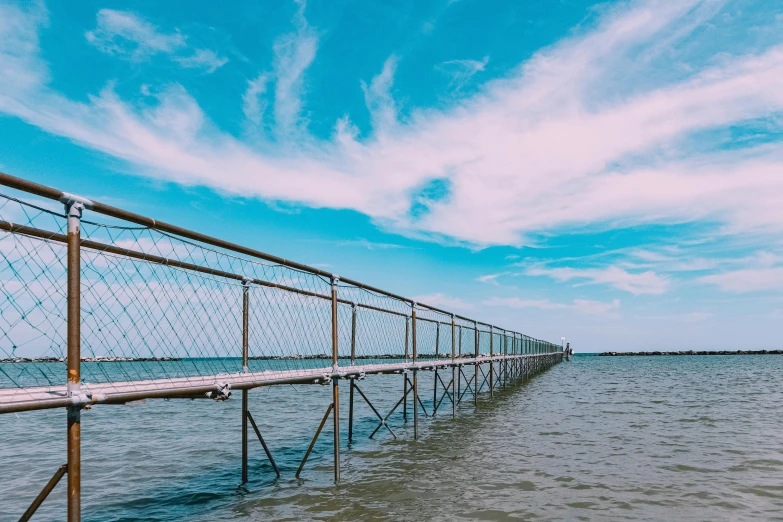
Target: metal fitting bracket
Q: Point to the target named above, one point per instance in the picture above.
(82, 399)
(221, 393)
(72, 199)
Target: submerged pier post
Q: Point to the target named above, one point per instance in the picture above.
(405, 375)
(335, 383)
(415, 374)
(435, 379)
(459, 372)
(491, 362)
(475, 365)
(353, 362)
(245, 354)
(74, 212)
(505, 358)
(453, 373)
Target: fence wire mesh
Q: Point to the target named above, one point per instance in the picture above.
(158, 307)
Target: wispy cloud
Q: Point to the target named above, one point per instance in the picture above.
(747, 280)
(642, 283)
(378, 98)
(294, 53)
(583, 306)
(488, 278)
(444, 301)
(551, 135)
(202, 59)
(363, 243)
(253, 103)
(126, 34)
(461, 71)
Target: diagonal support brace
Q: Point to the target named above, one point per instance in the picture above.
(315, 438)
(263, 443)
(62, 470)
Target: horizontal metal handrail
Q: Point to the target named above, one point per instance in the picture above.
(108, 210)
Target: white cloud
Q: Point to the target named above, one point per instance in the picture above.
(202, 59)
(587, 132)
(642, 283)
(461, 71)
(378, 98)
(294, 53)
(125, 34)
(439, 300)
(488, 278)
(582, 306)
(747, 280)
(253, 105)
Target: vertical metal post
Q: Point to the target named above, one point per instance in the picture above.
(435, 379)
(74, 211)
(415, 374)
(353, 362)
(491, 363)
(405, 376)
(505, 358)
(459, 373)
(335, 383)
(453, 372)
(475, 366)
(245, 355)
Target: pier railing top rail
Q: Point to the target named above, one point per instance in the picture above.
(181, 301)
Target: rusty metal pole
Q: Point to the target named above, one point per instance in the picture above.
(435, 379)
(415, 374)
(453, 373)
(404, 375)
(353, 362)
(74, 212)
(459, 373)
(245, 355)
(475, 365)
(505, 358)
(335, 383)
(491, 363)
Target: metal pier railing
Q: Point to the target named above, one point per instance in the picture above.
(103, 306)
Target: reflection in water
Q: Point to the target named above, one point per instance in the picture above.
(687, 438)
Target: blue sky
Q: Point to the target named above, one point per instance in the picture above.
(611, 172)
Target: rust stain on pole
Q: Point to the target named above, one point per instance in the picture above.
(415, 375)
(453, 372)
(335, 384)
(74, 211)
(245, 356)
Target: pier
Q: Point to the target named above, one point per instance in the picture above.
(101, 306)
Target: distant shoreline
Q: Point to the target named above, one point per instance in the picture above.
(690, 352)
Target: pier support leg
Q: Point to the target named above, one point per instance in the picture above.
(74, 212)
(244, 436)
(405, 398)
(350, 413)
(336, 418)
(415, 404)
(453, 392)
(475, 384)
(74, 464)
(435, 393)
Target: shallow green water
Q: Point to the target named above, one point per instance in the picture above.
(685, 438)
